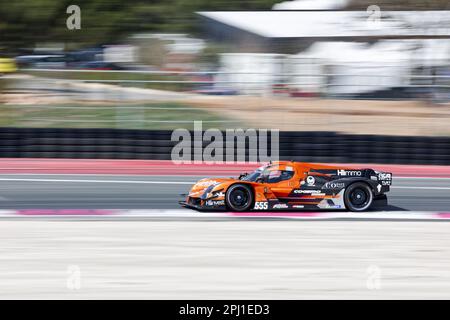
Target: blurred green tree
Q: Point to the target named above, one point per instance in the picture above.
(27, 22)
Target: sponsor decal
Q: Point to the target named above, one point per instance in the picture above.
(349, 173)
(212, 203)
(384, 176)
(263, 205)
(373, 178)
(386, 182)
(334, 185)
(219, 195)
(280, 206)
(298, 206)
(310, 180)
(308, 191)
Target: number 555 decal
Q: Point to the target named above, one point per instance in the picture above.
(261, 206)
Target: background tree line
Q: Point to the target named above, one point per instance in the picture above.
(23, 23)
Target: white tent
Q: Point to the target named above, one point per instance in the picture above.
(352, 68)
(343, 65)
(249, 73)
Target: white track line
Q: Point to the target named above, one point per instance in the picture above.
(170, 175)
(168, 182)
(97, 181)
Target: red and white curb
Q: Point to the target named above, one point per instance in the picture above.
(193, 215)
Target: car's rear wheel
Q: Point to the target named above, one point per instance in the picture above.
(239, 197)
(358, 197)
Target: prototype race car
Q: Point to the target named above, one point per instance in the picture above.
(288, 185)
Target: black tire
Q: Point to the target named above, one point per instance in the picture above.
(358, 197)
(239, 197)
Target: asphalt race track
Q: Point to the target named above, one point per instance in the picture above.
(97, 258)
(34, 191)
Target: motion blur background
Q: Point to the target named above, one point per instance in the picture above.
(345, 81)
(377, 68)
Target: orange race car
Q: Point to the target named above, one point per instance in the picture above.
(288, 185)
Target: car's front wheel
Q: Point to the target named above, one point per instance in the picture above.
(358, 197)
(239, 197)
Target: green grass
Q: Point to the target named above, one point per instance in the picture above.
(149, 116)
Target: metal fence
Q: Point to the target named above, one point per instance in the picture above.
(304, 79)
(121, 97)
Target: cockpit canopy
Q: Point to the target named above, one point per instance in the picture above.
(270, 174)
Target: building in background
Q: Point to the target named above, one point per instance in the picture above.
(329, 53)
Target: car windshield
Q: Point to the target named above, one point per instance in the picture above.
(268, 175)
(252, 176)
(274, 176)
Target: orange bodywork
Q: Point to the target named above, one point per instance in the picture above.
(266, 192)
